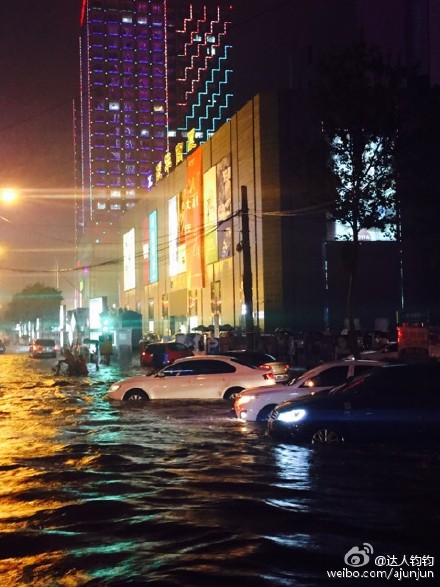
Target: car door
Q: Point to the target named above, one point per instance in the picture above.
(196, 379)
(379, 408)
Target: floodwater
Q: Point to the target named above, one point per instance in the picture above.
(182, 494)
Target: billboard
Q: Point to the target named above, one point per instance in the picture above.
(224, 208)
(191, 220)
(129, 260)
(210, 215)
(153, 247)
(177, 260)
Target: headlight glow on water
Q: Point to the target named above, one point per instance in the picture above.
(292, 416)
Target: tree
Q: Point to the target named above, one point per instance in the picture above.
(356, 95)
(36, 301)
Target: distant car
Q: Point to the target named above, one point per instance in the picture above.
(262, 361)
(256, 404)
(158, 354)
(43, 348)
(395, 403)
(201, 377)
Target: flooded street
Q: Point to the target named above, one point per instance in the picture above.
(183, 494)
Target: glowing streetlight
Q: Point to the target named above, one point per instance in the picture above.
(8, 195)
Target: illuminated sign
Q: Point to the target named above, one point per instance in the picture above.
(129, 260)
(191, 142)
(96, 307)
(159, 172)
(152, 229)
(167, 162)
(177, 251)
(179, 152)
(210, 215)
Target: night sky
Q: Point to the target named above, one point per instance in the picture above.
(39, 69)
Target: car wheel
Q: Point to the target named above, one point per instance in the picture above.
(231, 393)
(326, 436)
(264, 413)
(135, 395)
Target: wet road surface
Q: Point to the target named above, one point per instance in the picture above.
(182, 494)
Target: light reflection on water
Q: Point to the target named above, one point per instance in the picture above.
(183, 494)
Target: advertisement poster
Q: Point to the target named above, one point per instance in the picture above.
(177, 262)
(210, 215)
(191, 220)
(224, 208)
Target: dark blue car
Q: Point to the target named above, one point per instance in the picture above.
(393, 404)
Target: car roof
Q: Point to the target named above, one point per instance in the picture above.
(207, 358)
(343, 363)
(246, 353)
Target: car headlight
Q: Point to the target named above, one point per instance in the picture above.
(244, 399)
(114, 387)
(292, 415)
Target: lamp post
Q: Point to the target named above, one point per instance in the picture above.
(247, 271)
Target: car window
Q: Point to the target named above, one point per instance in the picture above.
(214, 367)
(361, 369)
(247, 360)
(45, 342)
(330, 377)
(182, 369)
(198, 368)
(154, 348)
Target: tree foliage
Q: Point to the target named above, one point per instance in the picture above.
(35, 301)
(356, 96)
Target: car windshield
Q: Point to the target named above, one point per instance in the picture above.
(45, 342)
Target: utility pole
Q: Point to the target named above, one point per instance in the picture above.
(247, 270)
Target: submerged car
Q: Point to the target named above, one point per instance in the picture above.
(395, 403)
(43, 348)
(256, 404)
(263, 361)
(207, 377)
(159, 354)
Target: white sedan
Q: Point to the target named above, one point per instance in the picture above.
(256, 404)
(199, 377)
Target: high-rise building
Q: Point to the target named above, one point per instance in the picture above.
(152, 73)
(151, 70)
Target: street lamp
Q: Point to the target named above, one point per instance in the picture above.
(8, 195)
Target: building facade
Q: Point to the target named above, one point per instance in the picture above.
(183, 246)
(151, 71)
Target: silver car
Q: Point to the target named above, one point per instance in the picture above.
(200, 377)
(256, 404)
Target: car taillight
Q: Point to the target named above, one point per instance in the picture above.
(269, 376)
(265, 367)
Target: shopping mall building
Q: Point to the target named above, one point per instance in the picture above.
(183, 249)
